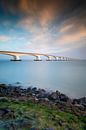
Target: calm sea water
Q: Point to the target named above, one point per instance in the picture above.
(68, 77)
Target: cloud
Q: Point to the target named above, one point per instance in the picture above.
(66, 28)
(40, 12)
(40, 42)
(47, 15)
(71, 33)
(28, 23)
(44, 26)
(37, 17)
(4, 38)
(23, 5)
(69, 36)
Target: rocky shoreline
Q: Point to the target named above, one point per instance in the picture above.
(41, 96)
(53, 100)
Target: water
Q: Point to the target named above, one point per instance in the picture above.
(69, 77)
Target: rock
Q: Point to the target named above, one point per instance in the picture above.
(4, 99)
(51, 99)
(53, 96)
(57, 96)
(34, 129)
(34, 89)
(80, 103)
(48, 129)
(15, 124)
(63, 98)
(81, 107)
(18, 83)
(69, 129)
(3, 85)
(6, 113)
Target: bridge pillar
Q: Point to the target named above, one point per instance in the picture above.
(66, 58)
(48, 58)
(55, 58)
(59, 58)
(16, 58)
(63, 58)
(38, 58)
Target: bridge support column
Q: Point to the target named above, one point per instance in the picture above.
(63, 58)
(66, 58)
(59, 58)
(55, 58)
(48, 58)
(16, 58)
(38, 58)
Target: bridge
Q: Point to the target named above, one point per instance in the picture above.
(16, 56)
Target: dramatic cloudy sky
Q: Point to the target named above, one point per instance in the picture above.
(44, 26)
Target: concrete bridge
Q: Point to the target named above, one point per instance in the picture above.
(16, 56)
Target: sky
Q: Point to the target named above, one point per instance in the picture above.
(44, 26)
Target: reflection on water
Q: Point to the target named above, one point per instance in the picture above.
(68, 77)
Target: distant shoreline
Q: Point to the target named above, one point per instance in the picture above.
(21, 85)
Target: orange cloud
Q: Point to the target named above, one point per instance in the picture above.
(44, 11)
(47, 15)
(41, 11)
(24, 5)
(66, 28)
(30, 7)
(71, 38)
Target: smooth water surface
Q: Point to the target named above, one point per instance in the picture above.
(68, 77)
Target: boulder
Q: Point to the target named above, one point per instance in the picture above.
(6, 113)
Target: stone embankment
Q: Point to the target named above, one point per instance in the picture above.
(52, 100)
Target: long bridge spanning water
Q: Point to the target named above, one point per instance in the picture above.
(17, 56)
